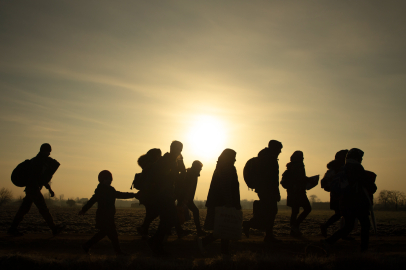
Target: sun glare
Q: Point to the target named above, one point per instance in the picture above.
(207, 137)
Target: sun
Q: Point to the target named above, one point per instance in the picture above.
(207, 137)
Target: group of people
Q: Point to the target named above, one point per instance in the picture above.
(167, 189)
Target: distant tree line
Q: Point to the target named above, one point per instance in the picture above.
(392, 200)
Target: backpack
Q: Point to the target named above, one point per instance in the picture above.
(21, 174)
(139, 181)
(250, 172)
(340, 184)
(286, 181)
(326, 181)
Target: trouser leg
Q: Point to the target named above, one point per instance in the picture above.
(365, 227)
(208, 239)
(96, 238)
(293, 216)
(166, 216)
(22, 211)
(306, 211)
(344, 231)
(113, 236)
(39, 201)
(225, 246)
(196, 215)
(272, 212)
(151, 214)
(334, 218)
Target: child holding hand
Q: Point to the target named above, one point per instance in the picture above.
(105, 195)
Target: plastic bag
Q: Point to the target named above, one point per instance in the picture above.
(227, 223)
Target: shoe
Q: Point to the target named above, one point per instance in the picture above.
(143, 232)
(348, 238)
(201, 233)
(14, 232)
(326, 246)
(86, 249)
(58, 229)
(323, 230)
(121, 254)
(183, 233)
(246, 228)
(295, 229)
(270, 239)
(200, 246)
(295, 234)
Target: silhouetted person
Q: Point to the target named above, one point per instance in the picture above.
(105, 195)
(224, 191)
(33, 193)
(333, 167)
(161, 194)
(296, 190)
(146, 162)
(354, 202)
(266, 208)
(187, 190)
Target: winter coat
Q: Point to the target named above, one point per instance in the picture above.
(333, 167)
(356, 202)
(186, 187)
(297, 183)
(105, 196)
(268, 175)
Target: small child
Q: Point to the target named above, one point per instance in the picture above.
(105, 195)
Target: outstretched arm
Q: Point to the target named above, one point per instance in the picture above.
(88, 205)
(48, 186)
(125, 195)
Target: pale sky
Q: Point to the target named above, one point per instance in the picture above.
(103, 82)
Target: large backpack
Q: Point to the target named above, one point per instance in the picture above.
(21, 174)
(340, 184)
(286, 181)
(326, 181)
(139, 181)
(250, 172)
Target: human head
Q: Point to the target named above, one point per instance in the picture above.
(340, 155)
(275, 147)
(197, 165)
(154, 154)
(105, 177)
(355, 154)
(297, 156)
(176, 148)
(45, 149)
(227, 157)
(143, 161)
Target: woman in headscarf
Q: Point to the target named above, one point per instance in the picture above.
(354, 202)
(297, 192)
(333, 167)
(224, 191)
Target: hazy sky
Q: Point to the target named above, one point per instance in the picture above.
(104, 81)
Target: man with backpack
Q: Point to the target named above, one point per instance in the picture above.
(354, 188)
(39, 173)
(262, 174)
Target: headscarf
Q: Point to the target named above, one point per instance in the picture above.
(355, 154)
(341, 155)
(226, 157)
(297, 156)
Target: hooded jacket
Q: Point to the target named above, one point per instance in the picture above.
(268, 174)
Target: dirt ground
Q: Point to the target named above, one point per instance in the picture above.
(38, 249)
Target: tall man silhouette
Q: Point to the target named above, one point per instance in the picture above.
(33, 193)
(267, 188)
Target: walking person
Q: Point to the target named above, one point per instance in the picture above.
(354, 198)
(146, 162)
(333, 167)
(294, 179)
(105, 196)
(267, 188)
(41, 169)
(161, 193)
(224, 191)
(186, 193)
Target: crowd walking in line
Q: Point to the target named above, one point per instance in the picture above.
(167, 189)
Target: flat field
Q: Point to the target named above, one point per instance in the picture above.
(38, 249)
